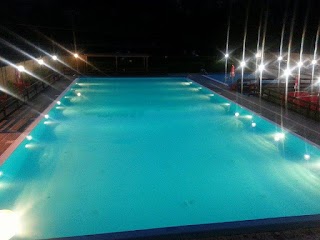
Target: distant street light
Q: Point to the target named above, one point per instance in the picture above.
(261, 67)
(258, 54)
(287, 72)
(21, 68)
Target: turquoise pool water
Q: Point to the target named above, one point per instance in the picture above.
(124, 154)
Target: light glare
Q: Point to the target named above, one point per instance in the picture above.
(40, 61)
(287, 72)
(9, 224)
(278, 136)
(54, 57)
(29, 137)
(280, 58)
(261, 67)
(306, 156)
(21, 68)
(258, 55)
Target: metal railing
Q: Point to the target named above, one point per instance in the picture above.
(9, 104)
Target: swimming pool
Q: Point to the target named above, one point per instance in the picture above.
(145, 156)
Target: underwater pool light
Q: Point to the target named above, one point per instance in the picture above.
(306, 156)
(278, 136)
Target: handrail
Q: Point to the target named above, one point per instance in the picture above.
(10, 104)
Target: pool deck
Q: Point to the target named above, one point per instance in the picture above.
(306, 128)
(16, 123)
(12, 127)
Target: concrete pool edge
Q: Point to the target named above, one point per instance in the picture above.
(15, 144)
(208, 230)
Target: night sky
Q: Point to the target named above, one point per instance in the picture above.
(159, 27)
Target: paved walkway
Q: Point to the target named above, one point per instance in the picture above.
(16, 123)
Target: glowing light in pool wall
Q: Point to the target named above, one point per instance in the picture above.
(278, 136)
(306, 157)
(9, 224)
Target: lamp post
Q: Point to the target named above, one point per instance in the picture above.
(226, 56)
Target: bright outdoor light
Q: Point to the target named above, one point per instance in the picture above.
(280, 58)
(226, 55)
(258, 55)
(29, 137)
(243, 64)
(237, 114)
(40, 61)
(76, 55)
(54, 57)
(253, 124)
(58, 102)
(21, 68)
(314, 62)
(287, 72)
(300, 64)
(46, 116)
(261, 67)
(306, 156)
(78, 94)
(9, 224)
